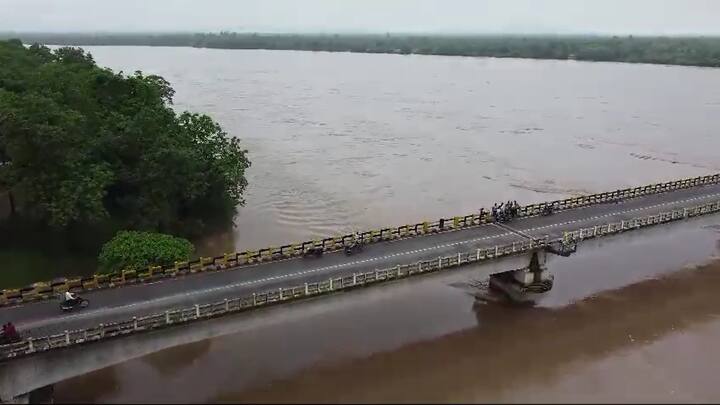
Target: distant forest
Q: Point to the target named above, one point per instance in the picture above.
(692, 51)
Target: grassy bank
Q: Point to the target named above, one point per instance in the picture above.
(689, 51)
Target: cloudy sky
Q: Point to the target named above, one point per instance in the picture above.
(451, 16)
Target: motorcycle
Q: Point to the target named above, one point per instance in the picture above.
(313, 252)
(502, 217)
(353, 248)
(76, 303)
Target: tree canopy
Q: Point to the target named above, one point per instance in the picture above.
(696, 51)
(81, 144)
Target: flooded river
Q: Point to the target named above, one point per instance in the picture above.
(353, 141)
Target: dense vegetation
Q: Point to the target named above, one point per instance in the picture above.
(81, 145)
(698, 51)
(132, 250)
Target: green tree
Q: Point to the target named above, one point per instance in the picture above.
(132, 250)
(83, 145)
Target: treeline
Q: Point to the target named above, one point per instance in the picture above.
(84, 148)
(692, 51)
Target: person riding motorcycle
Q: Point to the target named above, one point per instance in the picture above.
(9, 333)
(70, 298)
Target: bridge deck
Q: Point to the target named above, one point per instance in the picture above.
(143, 299)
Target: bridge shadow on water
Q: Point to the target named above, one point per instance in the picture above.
(512, 346)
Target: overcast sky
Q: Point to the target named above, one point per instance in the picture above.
(462, 16)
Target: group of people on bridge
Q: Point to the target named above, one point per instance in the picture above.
(505, 211)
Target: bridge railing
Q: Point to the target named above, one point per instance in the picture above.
(355, 280)
(49, 289)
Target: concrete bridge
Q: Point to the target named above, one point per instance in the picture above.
(148, 314)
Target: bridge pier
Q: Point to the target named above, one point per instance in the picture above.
(527, 284)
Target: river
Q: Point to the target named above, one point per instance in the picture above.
(341, 142)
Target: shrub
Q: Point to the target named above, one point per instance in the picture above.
(133, 250)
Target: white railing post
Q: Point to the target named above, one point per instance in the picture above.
(439, 263)
(135, 325)
(477, 255)
(685, 212)
(31, 347)
(306, 289)
(354, 278)
(254, 299)
(85, 335)
(167, 317)
(227, 305)
(497, 248)
(513, 246)
(197, 311)
(67, 337)
(458, 260)
(622, 225)
(331, 284)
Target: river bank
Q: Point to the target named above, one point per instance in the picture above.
(685, 51)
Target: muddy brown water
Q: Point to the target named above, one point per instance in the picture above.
(341, 142)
